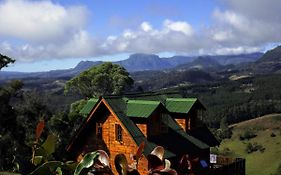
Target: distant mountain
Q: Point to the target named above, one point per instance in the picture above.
(82, 66)
(141, 62)
(237, 59)
(144, 62)
(270, 62)
(201, 63)
(273, 55)
(178, 60)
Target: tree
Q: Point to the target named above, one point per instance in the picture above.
(104, 79)
(224, 131)
(12, 133)
(5, 60)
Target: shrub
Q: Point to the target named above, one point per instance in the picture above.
(254, 147)
(247, 135)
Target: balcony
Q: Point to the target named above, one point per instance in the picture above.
(221, 165)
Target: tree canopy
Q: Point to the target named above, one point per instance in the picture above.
(104, 79)
(5, 60)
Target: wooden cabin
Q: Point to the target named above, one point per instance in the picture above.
(119, 124)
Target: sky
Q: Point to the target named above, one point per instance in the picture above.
(45, 35)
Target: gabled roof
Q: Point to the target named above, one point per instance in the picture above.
(154, 96)
(126, 107)
(171, 123)
(141, 108)
(180, 105)
(118, 105)
(205, 135)
(89, 106)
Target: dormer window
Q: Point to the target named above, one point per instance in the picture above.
(118, 133)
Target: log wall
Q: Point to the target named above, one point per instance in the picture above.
(127, 146)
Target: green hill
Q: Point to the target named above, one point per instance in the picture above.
(266, 133)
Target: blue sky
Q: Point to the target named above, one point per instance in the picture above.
(57, 34)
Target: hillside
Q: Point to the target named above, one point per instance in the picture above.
(270, 62)
(268, 136)
(201, 63)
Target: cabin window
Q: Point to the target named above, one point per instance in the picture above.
(99, 130)
(118, 133)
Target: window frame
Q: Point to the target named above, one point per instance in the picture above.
(118, 133)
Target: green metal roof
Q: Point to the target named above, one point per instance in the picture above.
(179, 105)
(141, 108)
(118, 105)
(89, 106)
(153, 96)
(171, 123)
(124, 107)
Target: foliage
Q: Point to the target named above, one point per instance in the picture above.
(75, 109)
(103, 79)
(224, 132)
(254, 147)
(31, 108)
(248, 134)
(86, 162)
(12, 133)
(224, 152)
(5, 60)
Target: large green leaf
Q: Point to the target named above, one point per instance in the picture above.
(86, 162)
(50, 144)
(37, 160)
(71, 165)
(58, 171)
(40, 151)
(48, 168)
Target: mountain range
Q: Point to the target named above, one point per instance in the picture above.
(145, 62)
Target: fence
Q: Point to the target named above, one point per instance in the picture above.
(228, 166)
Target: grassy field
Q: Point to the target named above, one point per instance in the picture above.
(268, 134)
(7, 173)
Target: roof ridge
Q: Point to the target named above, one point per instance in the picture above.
(182, 99)
(144, 101)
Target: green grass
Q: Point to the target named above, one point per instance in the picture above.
(257, 162)
(7, 173)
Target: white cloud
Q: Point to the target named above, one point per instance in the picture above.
(250, 22)
(50, 30)
(235, 50)
(145, 26)
(40, 21)
(179, 26)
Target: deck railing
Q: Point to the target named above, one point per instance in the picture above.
(228, 166)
